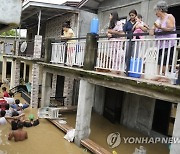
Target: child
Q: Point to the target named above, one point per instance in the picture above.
(139, 27)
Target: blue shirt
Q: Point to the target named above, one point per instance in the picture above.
(128, 28)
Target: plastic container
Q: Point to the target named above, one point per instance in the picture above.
(94, 25)
(135, 67)
(151, 67)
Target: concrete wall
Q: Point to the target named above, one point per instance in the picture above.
(99, 99)
(85, 22)
(54, 26)
(137, 112)
(144, 7)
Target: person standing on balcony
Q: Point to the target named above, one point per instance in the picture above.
(115, 29)
(69, 34)
(164, 23)
(128, 29)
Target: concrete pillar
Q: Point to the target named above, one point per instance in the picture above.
(30, 73)
(4, 68)
(130, 110)
(68, 90)
(175, 148)
(46, 89)
(90, 52)
(83, 118)
(35, 86)
(12, 74)
(54, 82)
(99, 99)
(37, 46)
(48, 49)
(144, 12)
(24, 72)
(17, 73)
(137, 112)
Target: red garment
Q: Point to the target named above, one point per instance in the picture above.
(2, 104)
(5, 94)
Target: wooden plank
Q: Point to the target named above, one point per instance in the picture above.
(89, 144)
(63, 127)
(93, 147)
(67, 109)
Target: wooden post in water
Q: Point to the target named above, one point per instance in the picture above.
(90, 52)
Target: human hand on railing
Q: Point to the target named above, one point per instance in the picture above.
(151, 32)
(109, 35)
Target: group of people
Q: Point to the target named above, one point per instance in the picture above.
(11, 110)
(165, 23)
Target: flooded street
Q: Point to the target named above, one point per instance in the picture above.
(101, 128)
(47, 138)
(42, 139)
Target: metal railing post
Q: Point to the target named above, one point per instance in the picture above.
(65, 53)
(128, 56)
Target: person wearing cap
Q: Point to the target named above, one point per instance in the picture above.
(31, 121)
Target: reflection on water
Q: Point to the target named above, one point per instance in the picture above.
(101, 128)
(42, 139)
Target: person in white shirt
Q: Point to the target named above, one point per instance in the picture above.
(3, 120)
(10, 100)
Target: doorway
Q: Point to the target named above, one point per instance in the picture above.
(113, 105)
(164, 117)
(59, 86)
(175, 12)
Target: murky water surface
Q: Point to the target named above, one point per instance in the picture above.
(47, 139)
(101, 128)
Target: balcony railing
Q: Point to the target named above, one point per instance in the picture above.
(148, 58)
(70, 53)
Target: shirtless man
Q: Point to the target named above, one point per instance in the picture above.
(19, 135)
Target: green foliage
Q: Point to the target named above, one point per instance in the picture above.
(11, 32)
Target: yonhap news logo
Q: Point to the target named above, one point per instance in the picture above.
(115, 139)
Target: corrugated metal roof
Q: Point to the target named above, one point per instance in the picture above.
(30, 11)
(90, 4)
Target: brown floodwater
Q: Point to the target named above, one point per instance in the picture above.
(42, 139)
(101, 128)
(47, 138)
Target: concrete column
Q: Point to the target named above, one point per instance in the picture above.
(137, 112)
(30, 73)
(46, 89)
(17, 73)
(130, 110)
(12, 74)
(83, 118)
(90, 52)
(24, 72)
(99, 99)
(35, 86)
(54, 82)
(4, 68)
(175, 148)
(37, 46)
(68, 90)
(144, 12)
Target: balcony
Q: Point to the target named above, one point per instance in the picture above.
(31, 48)
(137, 58)
(26, 48)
